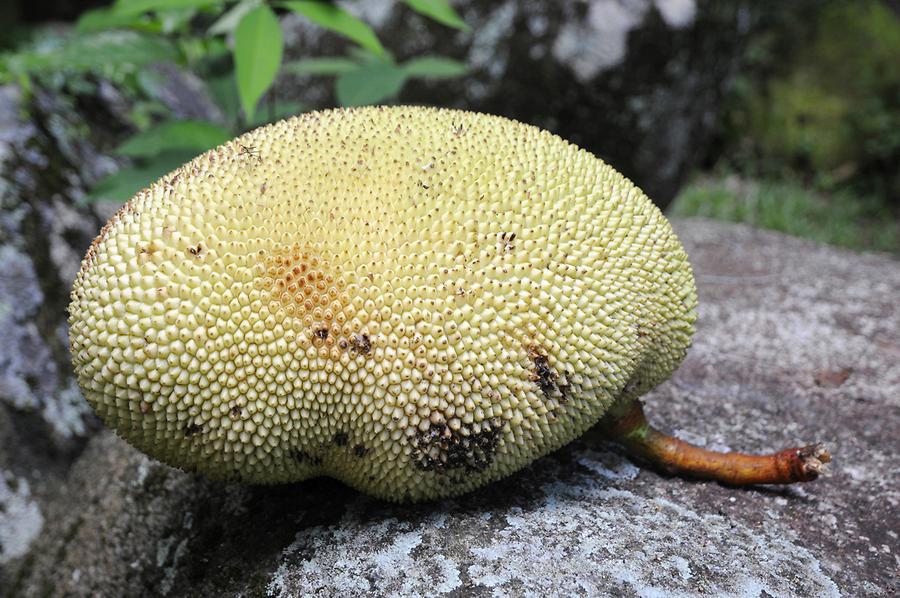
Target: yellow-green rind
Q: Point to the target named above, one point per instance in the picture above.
(414, 301)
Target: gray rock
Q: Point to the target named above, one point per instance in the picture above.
(796, 342)
(637, 82)
(52, 145)
(45, 160)
(182, 92)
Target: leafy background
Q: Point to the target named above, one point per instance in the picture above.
(237, 48)
(809, 143)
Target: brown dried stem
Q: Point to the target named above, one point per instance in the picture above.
(634, 432)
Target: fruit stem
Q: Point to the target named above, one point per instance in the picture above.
(634, 432)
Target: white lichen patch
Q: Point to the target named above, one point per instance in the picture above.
(29, 378)
(489, 51)
(600, 41)
(373, 12)
(414, 301)
(389, 551)
(20, 517)
(677, 13)
(582, 537)
(65, 411)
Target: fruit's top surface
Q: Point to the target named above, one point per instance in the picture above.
(414, 301)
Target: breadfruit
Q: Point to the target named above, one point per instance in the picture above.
(414, 301)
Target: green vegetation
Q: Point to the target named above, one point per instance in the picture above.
(810, 143)
(838, 217)
(811, 133)
(826, 105)
(236, 49)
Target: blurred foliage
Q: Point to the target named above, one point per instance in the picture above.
(821, 99)
(838, 217)
(234, 46)
(365, 79)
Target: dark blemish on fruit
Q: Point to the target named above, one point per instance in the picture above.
(545, 375)
(235, 411)
(322, 333)
(360, 451)
(631, 386)
(441, 449)
(361, 343)
(302, 457)
(341, 439)
(192, 428)
(196, 251)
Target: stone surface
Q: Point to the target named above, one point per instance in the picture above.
(637, 82)
(44, 423)
(796, 342)
(53, 145)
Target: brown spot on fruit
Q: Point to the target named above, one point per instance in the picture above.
(542, 373)
(303, 282)
(302, 457)
(361, 343)
(442, 449)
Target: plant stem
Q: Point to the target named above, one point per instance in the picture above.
(634, 432)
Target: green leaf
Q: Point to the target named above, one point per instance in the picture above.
(434, 67)
(257, 55)
(370, 84)
(136, 7)
(99, 51)
(107, 18)
(121, 48)
(280, 109)
(228, 21)
(187, 135)
(327, 65)
(121, 186)
(224, 93)
(144, 113)
(176, 20)
(440, 11)
(335, 18)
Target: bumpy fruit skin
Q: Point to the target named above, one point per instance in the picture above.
(414, 301)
